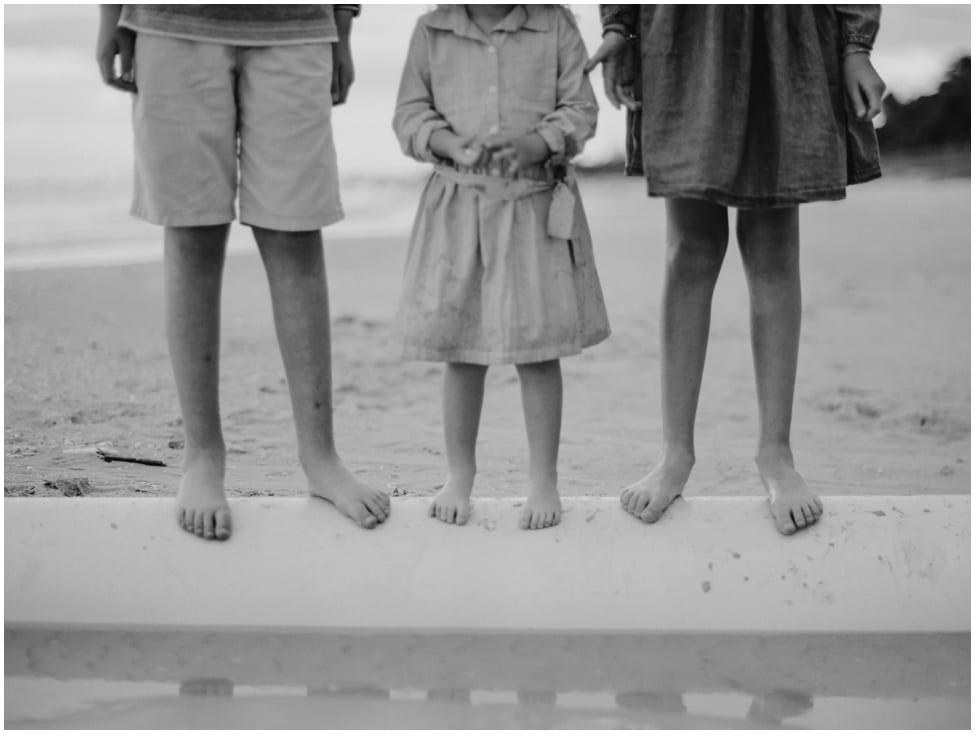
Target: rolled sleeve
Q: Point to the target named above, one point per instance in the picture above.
(620, 18)
(859, 25)
(567, 128)
(416, 119)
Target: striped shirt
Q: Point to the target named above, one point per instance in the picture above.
(237, 25)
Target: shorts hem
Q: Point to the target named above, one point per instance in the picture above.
(293, 224)
(181, 220)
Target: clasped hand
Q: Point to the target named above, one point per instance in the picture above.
(510, 153)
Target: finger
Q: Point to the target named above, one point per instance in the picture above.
(875, 94)
(609, 86)
(106, 67)
(124, 85)
(612, 43)
(126, 52)
(625, 95)
(856, 98)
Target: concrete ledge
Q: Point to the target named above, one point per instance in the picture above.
(873, 564)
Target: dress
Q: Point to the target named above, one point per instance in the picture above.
(496, 273)
(744, 105)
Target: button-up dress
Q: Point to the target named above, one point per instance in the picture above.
(486, 281)
(745, 105)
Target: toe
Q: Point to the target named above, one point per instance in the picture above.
(452, 515)
(209, 523)
(463, 513)
(798, 518)
(818, 506)
(364, 517)
(524, 522)
(625, 497)
(198, 522)
(640, 503)
(222, 523)
(376, 508)
(556, 518)
(432, 510)
(189, 519)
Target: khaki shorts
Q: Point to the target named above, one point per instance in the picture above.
(205, 110)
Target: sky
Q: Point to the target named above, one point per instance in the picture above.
(61, 121)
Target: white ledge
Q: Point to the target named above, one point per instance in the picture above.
(872, 564)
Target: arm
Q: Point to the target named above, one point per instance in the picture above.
(114, 41)
(567, 128)
(858, 31)
(343, 70)
(416, 119)
(618, 54)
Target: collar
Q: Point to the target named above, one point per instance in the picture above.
(454, 18)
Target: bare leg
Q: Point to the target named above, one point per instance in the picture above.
(697, 239)
(463, 396)
(769, 240)
(295, 265)
(194, 259)
(541, 396)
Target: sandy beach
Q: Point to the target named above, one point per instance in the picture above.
(882, 405)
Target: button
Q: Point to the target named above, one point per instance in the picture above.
(491, 49)
(493, 129)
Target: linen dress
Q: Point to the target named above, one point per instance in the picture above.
(495, 272)
(745, 105)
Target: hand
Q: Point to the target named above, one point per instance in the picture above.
(114, 41)
(343, 71)
(516, 152)
(618, 88)
(468, 151)
(864, 87)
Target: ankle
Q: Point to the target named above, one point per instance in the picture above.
(461, 476)
(678, 455)
(212, 454)
(774, 454)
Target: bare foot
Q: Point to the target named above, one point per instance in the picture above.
(648, 498)
(452, 504)
(793, 504)
(332, 482)
(201, 506)
(543, 509)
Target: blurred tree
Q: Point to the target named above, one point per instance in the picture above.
(935, 121)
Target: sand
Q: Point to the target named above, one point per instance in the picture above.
(882, 405)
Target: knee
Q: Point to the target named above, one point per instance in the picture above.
(769, 244)
(698, 258)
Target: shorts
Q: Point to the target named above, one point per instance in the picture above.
(205, 111)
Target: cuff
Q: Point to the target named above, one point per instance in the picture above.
(421, 141)
(555, 140)
(354, 9)
(855, 47)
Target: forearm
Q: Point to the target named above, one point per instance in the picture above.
(343, 21)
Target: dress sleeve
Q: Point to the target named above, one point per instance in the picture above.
(620, 18)
(416, 118)
(573, 121)
(858, 26)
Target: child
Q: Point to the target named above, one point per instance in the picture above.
(217, 86)
(760, 108)
(500, 267)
